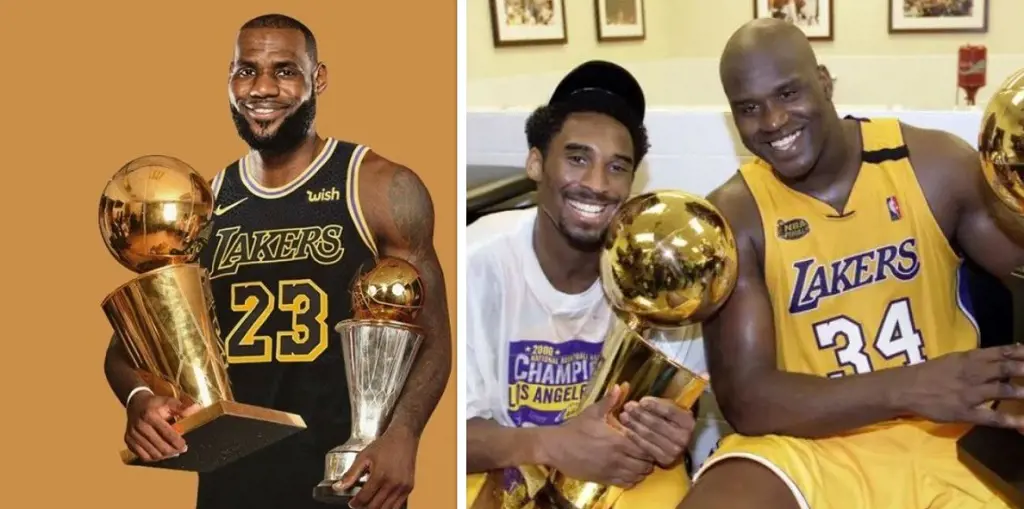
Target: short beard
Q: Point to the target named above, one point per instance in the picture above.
(586, 242)
(289, 135)
(583, 242)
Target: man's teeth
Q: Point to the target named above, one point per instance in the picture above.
(787, 142)
(261, 111)
(586, 209)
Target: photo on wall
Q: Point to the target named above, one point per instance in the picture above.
(528, 22)
(814, 17)
(620, 20)
(938, 16)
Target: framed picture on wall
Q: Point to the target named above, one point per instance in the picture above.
(528, 22)
(814, 17)
(620, 20)
(938, 16)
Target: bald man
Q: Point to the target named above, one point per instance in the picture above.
(847, 357)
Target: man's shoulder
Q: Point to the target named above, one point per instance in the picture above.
(736, 202)
(498, 230)
(934, 147)
(493, 243)
(939, 158)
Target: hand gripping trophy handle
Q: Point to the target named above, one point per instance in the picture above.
(380, 343)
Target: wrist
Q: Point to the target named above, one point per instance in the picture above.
(538, 449)
(899, 398)
(402, 430)
(136, 393)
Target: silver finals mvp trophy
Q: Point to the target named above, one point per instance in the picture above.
(380, 343)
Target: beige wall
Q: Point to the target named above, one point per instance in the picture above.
(483, 60)
(677, 64)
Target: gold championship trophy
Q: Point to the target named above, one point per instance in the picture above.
(669, 260)
(992, 453)
(379, 344)
(155, 217)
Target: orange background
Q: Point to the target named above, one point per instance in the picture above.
(88, 86)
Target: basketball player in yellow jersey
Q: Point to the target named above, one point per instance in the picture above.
(847, 358)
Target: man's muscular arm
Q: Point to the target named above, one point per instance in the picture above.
(755, 396)
(400, 214)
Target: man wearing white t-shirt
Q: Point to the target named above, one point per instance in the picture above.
(537, 315)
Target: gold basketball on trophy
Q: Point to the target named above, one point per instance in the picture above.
(1001, 143)
(155, 211)
(669, 259)
(391, 290)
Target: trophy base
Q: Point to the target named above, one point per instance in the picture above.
(337, 462)
(325, 494)
(993, 454)
(222, 433)
(550, 498)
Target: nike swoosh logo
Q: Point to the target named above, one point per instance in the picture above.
(221, 210)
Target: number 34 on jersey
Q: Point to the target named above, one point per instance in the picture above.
(897, 338)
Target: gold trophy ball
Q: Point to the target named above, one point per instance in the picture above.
(669, 259)
(391, 290)
(1001, 144)
(155, 211)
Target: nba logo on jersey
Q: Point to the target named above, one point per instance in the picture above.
(894, 208)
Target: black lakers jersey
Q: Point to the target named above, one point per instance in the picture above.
(280, 263)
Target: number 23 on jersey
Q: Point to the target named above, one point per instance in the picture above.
(301, 299)
(897, 338)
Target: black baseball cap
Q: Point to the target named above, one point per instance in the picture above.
(599, 76)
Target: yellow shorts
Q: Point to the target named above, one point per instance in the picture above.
(906, 465)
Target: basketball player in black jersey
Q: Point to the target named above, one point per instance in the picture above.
(294, 221)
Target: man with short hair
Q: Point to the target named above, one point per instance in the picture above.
(295, 220)
(537, 315)
(847, 357)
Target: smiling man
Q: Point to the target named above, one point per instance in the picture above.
(295, 220)
(537, 315)
(847, 357)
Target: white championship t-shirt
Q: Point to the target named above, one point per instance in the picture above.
(530, 348)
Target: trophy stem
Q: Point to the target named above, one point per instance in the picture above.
(166, 321)
(378, 357)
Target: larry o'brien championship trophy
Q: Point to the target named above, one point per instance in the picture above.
(669, 260)
(996, 454)
(379, 343)
(155, 216)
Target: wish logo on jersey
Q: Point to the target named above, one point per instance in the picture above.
(816, 281)
(547, 379)
(237, 248)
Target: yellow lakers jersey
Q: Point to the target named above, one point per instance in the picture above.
(871, 287)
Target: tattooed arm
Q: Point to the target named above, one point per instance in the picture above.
(400, 213)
